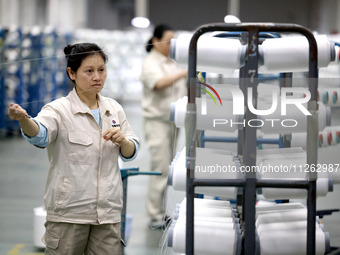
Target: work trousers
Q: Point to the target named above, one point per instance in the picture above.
(161, 137)
(78, 239)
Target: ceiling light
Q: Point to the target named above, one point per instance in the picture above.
(140, 22)
(231, 19)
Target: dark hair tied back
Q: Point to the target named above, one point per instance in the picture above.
(157, 33)
(67, 50)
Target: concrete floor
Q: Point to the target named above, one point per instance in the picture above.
(23, 170)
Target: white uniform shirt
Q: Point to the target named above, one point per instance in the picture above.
(156, 103)
(84, 182)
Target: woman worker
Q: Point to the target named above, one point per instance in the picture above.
(164, 82)
(84, 134)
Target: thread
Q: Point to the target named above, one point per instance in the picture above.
(291, 167)
(329, 136)
(323, 186)
(336, 177)
(334, 94)
(329, 96)
(279, 151)
(214, 223)
(282, 225)
(210, 164)
(282, 216)
(280, 154)
(215, 55)
(220, 55)
(216, 240)
(300, 140)
(290, 164)
(291, 54)
(205, 121)
(295, 225)
(267, 208)
(291, 241)
(218, 212)
(323, 96)
(208, 203)
(326, 138)
(215, 218)
(334, 133)
(205, 211)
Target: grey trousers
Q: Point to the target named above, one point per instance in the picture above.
(161, 141)
(78, 239)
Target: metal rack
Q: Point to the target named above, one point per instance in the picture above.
(247, 136)
(125, 173)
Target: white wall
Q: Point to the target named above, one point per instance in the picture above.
(61, 14)
(338, 16)
(329, 16)
(67, 15)
(9, 12)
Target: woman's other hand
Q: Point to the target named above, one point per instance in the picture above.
(16, 112)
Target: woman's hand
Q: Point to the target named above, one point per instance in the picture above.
(115, 135)
(16, 112)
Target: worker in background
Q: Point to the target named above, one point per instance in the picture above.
(164, 82)
(84, 134)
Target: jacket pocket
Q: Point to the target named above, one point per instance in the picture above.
(79, 149)
(63, 191)
(79, 138)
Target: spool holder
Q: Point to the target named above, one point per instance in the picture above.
(247, 137)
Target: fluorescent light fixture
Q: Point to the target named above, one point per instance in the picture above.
(140, 22)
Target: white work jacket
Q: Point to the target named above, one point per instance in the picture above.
(156, 103)
(84, 183)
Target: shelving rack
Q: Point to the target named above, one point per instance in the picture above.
(247, 136)
(125, 173)
(285, 81)
(28, 76)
